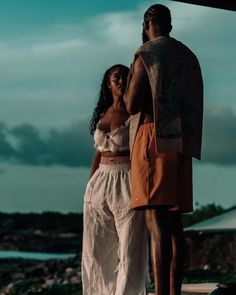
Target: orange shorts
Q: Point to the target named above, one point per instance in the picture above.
(159, 179)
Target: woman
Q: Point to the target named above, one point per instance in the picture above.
(114, 257)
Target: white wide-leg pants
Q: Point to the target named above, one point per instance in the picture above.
(115, 255)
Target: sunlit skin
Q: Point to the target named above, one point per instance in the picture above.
(116, 115)
(167, 245)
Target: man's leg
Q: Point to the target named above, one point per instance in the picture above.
(179, 250)
(158, 222)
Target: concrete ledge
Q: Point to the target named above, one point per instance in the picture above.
(196, 289)
(199, 288)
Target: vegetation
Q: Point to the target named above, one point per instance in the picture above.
(192, 276)
(71, 222)
(202, 213)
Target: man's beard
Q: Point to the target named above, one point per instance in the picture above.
(144, 37)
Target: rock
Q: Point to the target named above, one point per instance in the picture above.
(49, 283)
(21, 285)
(31, 277)
(8, 288)
(75, 280)
(18, 276)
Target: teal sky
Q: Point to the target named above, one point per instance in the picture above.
(52, 58)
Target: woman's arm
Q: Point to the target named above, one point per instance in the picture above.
(96, 162)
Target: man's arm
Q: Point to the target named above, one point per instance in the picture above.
(137, 89)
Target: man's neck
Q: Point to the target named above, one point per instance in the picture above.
(155, 35)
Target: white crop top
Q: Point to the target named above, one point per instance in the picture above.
(113, 141)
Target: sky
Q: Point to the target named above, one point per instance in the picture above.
(53, 55)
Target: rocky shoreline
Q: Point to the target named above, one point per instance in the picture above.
(48, 232)
(28, 277)
(51, 232)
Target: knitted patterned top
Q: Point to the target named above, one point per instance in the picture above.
(177, 92)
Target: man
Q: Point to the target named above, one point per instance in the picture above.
(165, 98)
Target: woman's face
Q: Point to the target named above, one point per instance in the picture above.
(117, 81)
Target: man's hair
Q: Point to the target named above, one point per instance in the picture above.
(160, 15)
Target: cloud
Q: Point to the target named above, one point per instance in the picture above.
(219, 137)
(2, 171)
(50, 77)
(56, 69)
(73, 146)
(6, 150)
(25, 144)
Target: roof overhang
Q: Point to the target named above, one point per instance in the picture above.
(221, 223)
(223, 4)
(208, 232)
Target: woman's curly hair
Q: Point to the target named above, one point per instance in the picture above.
(105, 99)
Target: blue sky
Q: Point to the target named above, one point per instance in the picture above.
(52, 58)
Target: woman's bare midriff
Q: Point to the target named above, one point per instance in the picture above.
(115, 158)
(114, 154)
